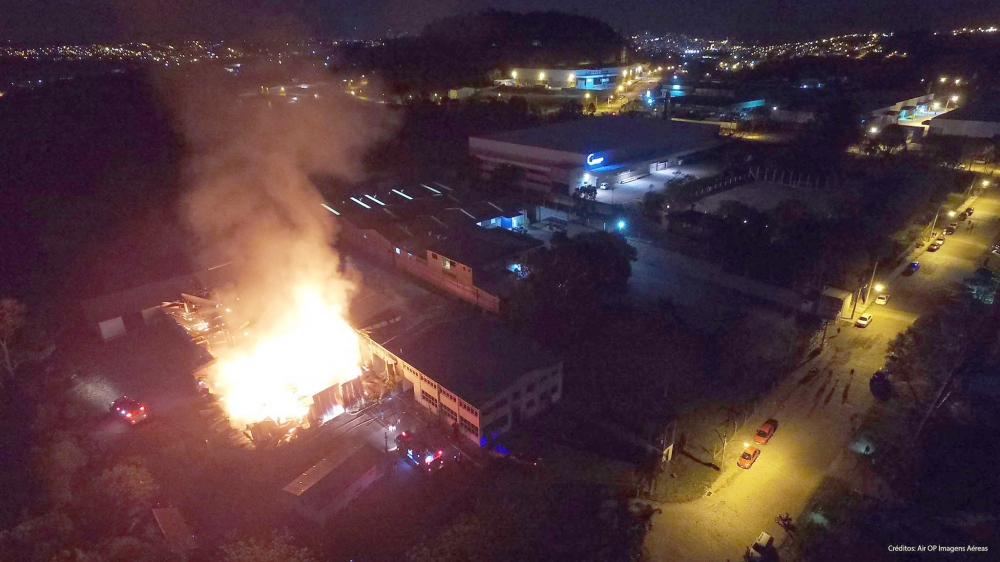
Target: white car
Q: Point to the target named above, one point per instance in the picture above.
(762, 549)
(863, 321)
(881, 299)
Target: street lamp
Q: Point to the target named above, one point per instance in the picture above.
(936, 106)
(944, 79)
(873, 130)
(513, 74)
(879, 287)
(951, 100)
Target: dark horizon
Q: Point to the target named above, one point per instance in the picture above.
(78, 21)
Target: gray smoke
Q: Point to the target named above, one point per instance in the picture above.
(249, 160)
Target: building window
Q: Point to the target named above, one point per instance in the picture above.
(468, 426)
(449, 412)
(470, 409)
(428, 398)
(433, 255)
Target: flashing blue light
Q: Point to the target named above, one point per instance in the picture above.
(621, 225)
(648, 94)
(649, 101)
(428, 459)
(482, 441)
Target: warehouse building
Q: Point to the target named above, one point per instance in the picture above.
(590, 79)
(598, 151)
(473, 372)
(455, 241)
(979, 120)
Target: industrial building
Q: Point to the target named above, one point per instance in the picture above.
(114, 314)
(590, 79)
(330, 485)
(459, 243)
(979, 120)
(477, 375)
(597, 151)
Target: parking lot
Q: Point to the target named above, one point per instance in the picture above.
(632, 192)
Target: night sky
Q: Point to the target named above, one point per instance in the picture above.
(44, 21)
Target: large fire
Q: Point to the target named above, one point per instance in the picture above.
(309, 348)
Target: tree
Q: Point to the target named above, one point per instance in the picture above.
(123, 495)
(278, 548)
(40, 538)
(591, 109)
(571, 108)
(891, 139)
(565, 285)
(12, 318)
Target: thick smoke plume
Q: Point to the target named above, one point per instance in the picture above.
(250, 203)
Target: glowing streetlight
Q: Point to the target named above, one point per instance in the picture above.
(621, 225)
(586, 96)
(621, 88)
(879, 287)
(958, 81)
(951, 214)
(954, 98)
(873, 130)
(944, 79)
(936, 106)
(986, 183)
(513, 74)
(541, 76)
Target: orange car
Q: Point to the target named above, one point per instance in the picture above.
(765, 432)
(748, 457)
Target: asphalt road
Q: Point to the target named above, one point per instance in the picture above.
(817, 414)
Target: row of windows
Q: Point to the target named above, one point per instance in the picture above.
(449, 412)
(467, 426)
(428, 398)
(470, 409)
(449, 395)
(428, 382)
(493, 407)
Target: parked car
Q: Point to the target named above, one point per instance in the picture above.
(863, 321)
(912, 268)
(969, 211)
(882, 299)
(748, 457)
(765, 432)
(130, 409)
(762, 549)
(962, 217)
(941, 239)
(934, 247)
(950, 230)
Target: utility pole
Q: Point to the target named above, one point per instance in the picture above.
(871, 282)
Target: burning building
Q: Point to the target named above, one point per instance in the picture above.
(278, 334)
